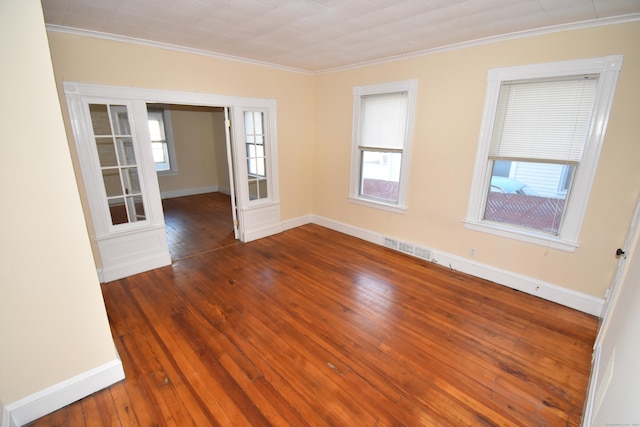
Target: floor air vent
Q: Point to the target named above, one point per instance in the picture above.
(407, 248)
(422, 253)
(390, 243)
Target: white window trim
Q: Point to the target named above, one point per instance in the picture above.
(568, 238)
(411, 87)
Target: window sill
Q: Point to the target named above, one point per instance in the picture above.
(167, 173)
(399, 209)
(522, 235)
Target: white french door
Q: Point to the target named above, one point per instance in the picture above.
(231, 167)
(110, 127)
(119, 176)
(256, 172)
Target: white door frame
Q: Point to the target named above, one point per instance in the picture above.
(232, 175)
(257, 218)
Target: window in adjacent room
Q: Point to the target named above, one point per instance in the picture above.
(383, 127)
(540, 140)
(162, 141)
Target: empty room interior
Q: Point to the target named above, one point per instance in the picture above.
(320, 212)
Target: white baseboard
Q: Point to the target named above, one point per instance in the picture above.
(555, 293)
(189, 192)
(548, 291)
(296, 222)
(44, 402)
(360, 233)
(129, 269)
(262, 232)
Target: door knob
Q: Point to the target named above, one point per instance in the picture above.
(619, 252)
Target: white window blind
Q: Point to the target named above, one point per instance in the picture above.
(543, 120)
(384, 120)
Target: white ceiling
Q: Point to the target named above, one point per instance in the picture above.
(320, 35)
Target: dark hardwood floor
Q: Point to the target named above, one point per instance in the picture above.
(312, 327)
(198, 223)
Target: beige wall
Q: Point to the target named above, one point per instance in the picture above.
(53, 324)
(449, 109)
(195, 136)
(314, 137)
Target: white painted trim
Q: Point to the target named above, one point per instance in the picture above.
(259, 221)
(126, 270)
(128, 253)
(583, 25)
(588, 411)
(162, 96)
(545, 290)
(296, 222)
(342, 227)
(168, 46)
(259, 233)
(62, 394)
(190, 192)
(594, 23)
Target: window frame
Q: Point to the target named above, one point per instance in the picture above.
(411, 87)
(168, 140)
(568, 236)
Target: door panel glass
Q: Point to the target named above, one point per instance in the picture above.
(126, 151)
(118, 162)
(131, 181)
(100, 119)
(106, 152)
(262, 188)
(120, 120)
(253, 190)
(135, 207)
(118, 211)
(112, 184)
(256, 154)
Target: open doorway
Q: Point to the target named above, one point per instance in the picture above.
(113, 141)
(190, 154)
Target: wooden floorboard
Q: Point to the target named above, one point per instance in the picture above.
(312, 327)
(198, 223)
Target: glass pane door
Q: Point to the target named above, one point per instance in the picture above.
(118, 162)
(255, 141)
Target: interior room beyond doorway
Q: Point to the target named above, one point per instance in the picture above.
(193, 177)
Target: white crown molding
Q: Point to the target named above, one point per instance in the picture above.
(168, 46)
(593, 23)
(504, 37)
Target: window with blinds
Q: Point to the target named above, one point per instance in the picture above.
(542, 131)
(383, 117)
(384, 126)
(541, 128)
(543, 120)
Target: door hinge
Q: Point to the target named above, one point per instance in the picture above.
(227, 123)
(236, 223)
